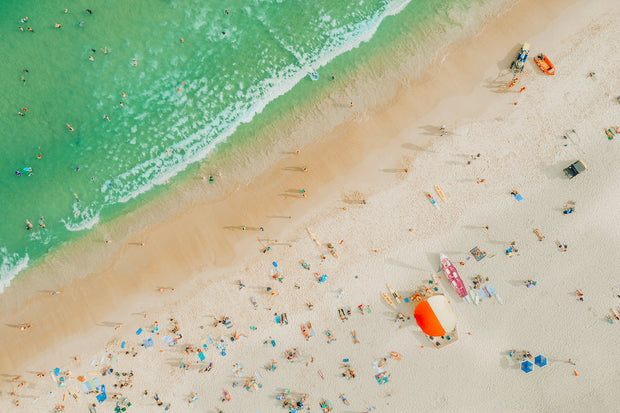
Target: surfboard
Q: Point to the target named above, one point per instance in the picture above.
(430, 198)
(313, 237)
(441, 194)
(388, 299)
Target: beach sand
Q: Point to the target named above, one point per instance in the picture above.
(394, 237)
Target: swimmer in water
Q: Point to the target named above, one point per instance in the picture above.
(28, 225)
(69, 127)
(41, 223)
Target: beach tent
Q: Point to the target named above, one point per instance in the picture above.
(540, 360)
(434, 316)
(527, 366)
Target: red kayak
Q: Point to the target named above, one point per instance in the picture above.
(453, 276)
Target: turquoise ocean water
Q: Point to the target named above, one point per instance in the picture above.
(115, 102)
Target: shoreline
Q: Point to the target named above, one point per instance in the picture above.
(76, 255)
(196, 252)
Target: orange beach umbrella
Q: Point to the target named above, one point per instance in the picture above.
(434, 316)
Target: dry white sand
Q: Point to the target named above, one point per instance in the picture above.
(521, 149)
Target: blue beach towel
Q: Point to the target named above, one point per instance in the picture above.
(139, 332)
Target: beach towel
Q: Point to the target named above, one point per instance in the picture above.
(123, 344)
(101, 397)
(492, 291)
(168, 340)
(478, 255)
(382, 378)
(201, 356)
(518, 197)
(148, 343)
(139, 332)
(86, 387)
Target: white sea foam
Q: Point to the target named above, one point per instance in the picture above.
(162, 166)
(82, 219)
(11, 264)
(164, 163)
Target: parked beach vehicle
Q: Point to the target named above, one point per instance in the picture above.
(519, 63)
(575, 169)
(545, 64)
